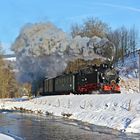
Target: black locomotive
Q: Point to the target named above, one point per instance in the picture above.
(103, 78)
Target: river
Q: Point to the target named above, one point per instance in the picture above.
(23, 126)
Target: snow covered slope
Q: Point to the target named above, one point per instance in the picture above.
(129, 67)
(129, 85)
(117, 111)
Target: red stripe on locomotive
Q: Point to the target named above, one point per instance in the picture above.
(88, 88)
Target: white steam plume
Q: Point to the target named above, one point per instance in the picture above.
(44, 50)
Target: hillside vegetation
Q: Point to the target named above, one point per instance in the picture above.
(8, 83)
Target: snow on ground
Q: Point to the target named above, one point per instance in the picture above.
(129, 85)
(5, 137)
(117, 111)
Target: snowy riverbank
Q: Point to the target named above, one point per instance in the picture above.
(5, 137)
(117, 111)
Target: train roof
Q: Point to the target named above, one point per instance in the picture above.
(64, 74)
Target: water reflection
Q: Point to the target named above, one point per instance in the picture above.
(31, 127)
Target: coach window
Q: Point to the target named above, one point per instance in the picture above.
(66, 80)
(59, 81)
(70, 79)
(62, 80)
(56, 82)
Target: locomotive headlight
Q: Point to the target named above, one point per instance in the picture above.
(119, 78)
(112, 67)
(102, 76)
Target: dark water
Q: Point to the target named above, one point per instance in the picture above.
(30, 127)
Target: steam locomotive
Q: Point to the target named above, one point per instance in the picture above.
(93, 79)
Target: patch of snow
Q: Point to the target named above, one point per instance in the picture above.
(129, 66)
(5, 137)
(134, 126)
(117, 111)
(129, 85)
(10, 59)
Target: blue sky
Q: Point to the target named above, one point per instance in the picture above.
(14, 14)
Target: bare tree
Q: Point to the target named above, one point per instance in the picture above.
(125, 41)
(91, 27)
(133, 39)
